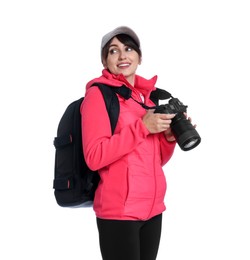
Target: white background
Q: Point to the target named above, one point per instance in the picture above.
(199, 49)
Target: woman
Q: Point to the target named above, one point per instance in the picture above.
(129, 200)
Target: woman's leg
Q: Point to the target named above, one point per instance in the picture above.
(119, 239)
(150, 238)
(129, 240)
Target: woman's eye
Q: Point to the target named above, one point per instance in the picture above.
(129, 49)
(113, 51)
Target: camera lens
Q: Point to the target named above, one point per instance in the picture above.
(190, 143)
(186, 135)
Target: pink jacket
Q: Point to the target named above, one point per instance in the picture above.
(133, 184)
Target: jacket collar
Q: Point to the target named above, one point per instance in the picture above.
(145, 86)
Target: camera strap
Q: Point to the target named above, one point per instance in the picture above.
(143, 105)
(155, 96)
(159, 94)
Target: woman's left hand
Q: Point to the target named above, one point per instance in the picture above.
(169, 135)
(190, 119)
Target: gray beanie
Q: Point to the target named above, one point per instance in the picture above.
(120, 30)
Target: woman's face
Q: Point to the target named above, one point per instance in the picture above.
(122, 59)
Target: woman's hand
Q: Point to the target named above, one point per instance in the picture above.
(156, 122)
(169, 135)
(190, 119)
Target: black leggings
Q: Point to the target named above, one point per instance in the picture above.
(129, 240)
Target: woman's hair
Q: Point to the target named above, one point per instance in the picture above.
(126, 40)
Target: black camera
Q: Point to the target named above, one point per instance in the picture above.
(184, 132)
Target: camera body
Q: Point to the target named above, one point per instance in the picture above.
(184, 132)
(174, 106)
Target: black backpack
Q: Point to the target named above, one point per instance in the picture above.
(74, 183)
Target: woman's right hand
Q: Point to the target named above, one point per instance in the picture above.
(156, 122)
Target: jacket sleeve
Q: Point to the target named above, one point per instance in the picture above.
(100, 147)
(167, 149)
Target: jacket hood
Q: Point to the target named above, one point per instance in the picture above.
(145, 86)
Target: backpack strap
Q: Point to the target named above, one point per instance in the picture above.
(111, 100)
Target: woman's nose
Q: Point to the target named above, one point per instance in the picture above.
(122, 55)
